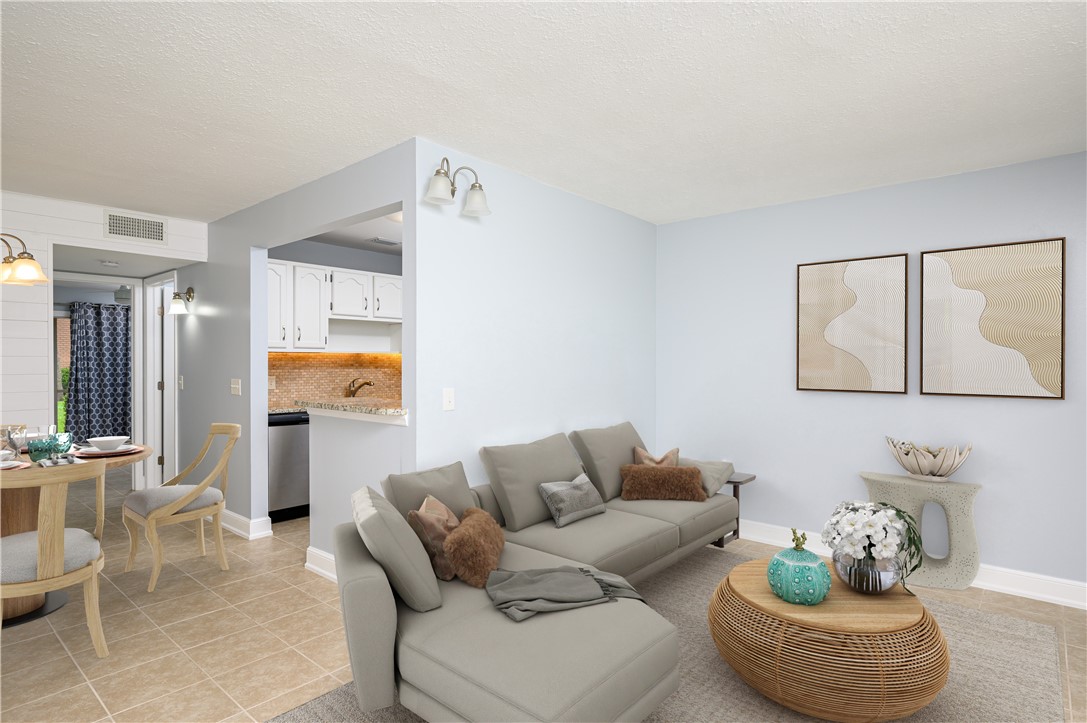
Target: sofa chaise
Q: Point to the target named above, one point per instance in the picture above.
(458, 658)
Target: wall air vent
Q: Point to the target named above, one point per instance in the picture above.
(127, 227)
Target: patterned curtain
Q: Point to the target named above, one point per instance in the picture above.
(100, 385)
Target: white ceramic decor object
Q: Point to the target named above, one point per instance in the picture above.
(107, 444)
(921, 462)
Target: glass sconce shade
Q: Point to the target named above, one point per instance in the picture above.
(440, 190)
(475, 202)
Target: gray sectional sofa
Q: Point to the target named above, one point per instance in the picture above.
(465, 660)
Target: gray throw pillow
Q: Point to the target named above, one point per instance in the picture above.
(714, 474)
(397, 549)
(604, 451)
(572, 501)
(516, 471)
(447, 484)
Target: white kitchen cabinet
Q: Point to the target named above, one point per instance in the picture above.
(352, 292)
(279, 305)
(310, 307)
(388, 297)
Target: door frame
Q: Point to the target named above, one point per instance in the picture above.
(161, 361)
(139, 396)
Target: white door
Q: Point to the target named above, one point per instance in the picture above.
(310, 307)
(388, 297)
(351, 293)
(279, 308)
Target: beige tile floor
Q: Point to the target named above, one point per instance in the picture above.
(251, 643)
(207, 645)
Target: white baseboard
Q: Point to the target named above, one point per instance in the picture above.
(321, 562)
(245, 527)
(990, 577)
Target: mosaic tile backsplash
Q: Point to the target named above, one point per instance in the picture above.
(300, 375)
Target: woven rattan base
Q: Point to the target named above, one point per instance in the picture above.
(840, 675)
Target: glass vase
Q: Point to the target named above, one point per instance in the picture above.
(867, 575)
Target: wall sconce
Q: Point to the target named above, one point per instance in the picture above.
(21, 270)
(443, 187)
(177, 303)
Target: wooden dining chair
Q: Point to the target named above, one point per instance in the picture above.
(172, 503)
(55, 556)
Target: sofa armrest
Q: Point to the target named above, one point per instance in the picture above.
(369, 619)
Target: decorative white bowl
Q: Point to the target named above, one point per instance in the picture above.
(107, 444)
(921, 462)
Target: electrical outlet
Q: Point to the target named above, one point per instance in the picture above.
(180, 382)
(271, 384)
(236, 387)
(448, 401)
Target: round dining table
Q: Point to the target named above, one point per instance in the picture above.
(19, 513)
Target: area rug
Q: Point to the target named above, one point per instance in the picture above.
(1002, 668)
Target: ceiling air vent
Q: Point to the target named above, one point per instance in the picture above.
(382, 241)
(127, 227)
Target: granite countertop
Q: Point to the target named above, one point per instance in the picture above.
(285, 410)
(358, 405)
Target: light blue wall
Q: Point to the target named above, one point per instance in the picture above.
(540, 316)
(726, 355)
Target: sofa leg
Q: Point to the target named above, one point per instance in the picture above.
(719, 542)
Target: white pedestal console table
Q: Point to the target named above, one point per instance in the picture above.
(958, 569)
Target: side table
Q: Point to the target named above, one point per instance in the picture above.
(852, 657)
(737, 480)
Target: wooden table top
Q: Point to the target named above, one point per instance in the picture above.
(121, 460)
(843, 609)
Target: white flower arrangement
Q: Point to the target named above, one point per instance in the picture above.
(874, 531)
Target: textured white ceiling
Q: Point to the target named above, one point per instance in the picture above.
(666, 111)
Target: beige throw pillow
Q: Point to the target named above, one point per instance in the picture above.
(668, 459)
(432, 523)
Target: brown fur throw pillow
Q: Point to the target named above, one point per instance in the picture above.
(642, 482)
(432, 523)
(475, 546)
(668, 459)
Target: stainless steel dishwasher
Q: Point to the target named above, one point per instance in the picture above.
(288, 466)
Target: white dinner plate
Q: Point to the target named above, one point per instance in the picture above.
(10, 463)
(95, 452)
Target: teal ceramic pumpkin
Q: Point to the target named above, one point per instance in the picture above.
(798, 576)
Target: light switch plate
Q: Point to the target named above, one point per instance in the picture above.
(448, 400)
(271, 384)
(236, 387)
(180, 382)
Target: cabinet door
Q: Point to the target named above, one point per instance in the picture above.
(388, 297)
(310, 307)
(279, 308)
(351, 293)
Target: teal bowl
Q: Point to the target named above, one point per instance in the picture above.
(40, 449)
(62, 442)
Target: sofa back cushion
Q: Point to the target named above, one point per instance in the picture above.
(516, 471)
(397, 549)
(604, 451)
(448, 484)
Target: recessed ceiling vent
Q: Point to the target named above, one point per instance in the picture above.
(128, 227)
(382, 241)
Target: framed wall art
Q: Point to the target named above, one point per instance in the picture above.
(851, 325)
(992, 320)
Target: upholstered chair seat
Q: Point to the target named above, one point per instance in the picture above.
(143, 502)
(19, 554)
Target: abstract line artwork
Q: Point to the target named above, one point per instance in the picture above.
(992, 320)
(851, 325)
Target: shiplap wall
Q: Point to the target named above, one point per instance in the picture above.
(26, 363)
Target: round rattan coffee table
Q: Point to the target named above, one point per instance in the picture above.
(852, 657)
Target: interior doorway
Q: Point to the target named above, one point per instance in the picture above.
(162, 380)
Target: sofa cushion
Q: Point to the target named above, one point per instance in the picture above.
(572, 501)
(695, 519)
(714, 474)
(516, 471)
(449, 484)
(616, 542)
(604, 451)
(474, 548)
(396, 548)
(433, 522)
(583, 664)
